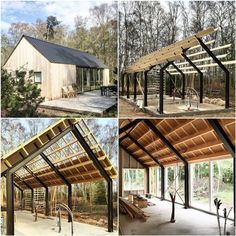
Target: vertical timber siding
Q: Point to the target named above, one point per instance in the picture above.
(27, 57)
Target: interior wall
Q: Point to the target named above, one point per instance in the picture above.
(127, 161)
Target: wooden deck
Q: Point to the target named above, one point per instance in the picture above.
(87, 103)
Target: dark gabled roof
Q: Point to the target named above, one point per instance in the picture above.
(59, 54)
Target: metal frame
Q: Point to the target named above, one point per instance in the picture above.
(172, 148)
(231, 149)
(144, 150)
(102, 171)
(183, 78)
(135, 86)
(145, 103)
(161, 92)
(129, 125)
(127, 85)
(199, 72)
(171, 82)
(212, 55)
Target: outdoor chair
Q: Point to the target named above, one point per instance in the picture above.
(72, 91)
(65, 92)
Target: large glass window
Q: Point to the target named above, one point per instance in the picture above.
(170, 181)
(159, 182)
(153, 180)
(200, 185)
(180, 184)
(133, 179)
(222, 184)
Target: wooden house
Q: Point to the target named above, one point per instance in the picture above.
(56, 66)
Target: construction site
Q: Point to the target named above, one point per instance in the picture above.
(177, 177)
(60, 181)
(186, 78)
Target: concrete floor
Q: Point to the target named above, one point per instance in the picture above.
(25, 225)
(88, 102)
(188, 222)
(179, 108)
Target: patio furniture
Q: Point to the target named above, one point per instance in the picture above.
(109, 90)
(65, 92)
(72, 91)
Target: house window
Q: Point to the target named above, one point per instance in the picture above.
(37, 77)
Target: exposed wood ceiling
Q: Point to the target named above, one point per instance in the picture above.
(66, 154)
(194, 139)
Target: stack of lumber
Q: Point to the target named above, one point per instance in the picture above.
(133, 211)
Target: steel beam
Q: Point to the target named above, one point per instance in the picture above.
(46, 202)
(164, 140)
(183, 78)
(32, 174)
(162, 183)
(144, 149)
(129, 125)
(45, 158)
(69, 201)
(179, 156)
(135, 86)
(10, 203)
(125, 136)
(212, 55)
(200, 75)
(110, 206)
(145, 103)
(31, 156)
(101, 169)
(148, 180)
(161, 92)
(186, 185)
(171, 83)
(32, 200)
(127, 85)
(223, 136)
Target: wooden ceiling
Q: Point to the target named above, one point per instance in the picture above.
(194, 139)
(172, 52)
(66, 154)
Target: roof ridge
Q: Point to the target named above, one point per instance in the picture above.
(25, 36)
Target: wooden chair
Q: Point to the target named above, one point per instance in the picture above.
(65, 92)
(72, 91)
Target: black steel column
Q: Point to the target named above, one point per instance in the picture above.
(127, 81)
(122, 84)
(145, 89)
(221, 65)
(200, 75)
(183, 79)
(161, 92)
(69, 201)
(135, 86)
(32, 200)
(148, 180)
(186, 185)
(162, 183)
(234, 176)
(10, 203)
(110, 206)
(46, 202)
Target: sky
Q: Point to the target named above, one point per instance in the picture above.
(29, 11)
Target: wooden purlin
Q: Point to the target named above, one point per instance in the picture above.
(194, 139)
(72, 162)
(166, 54)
